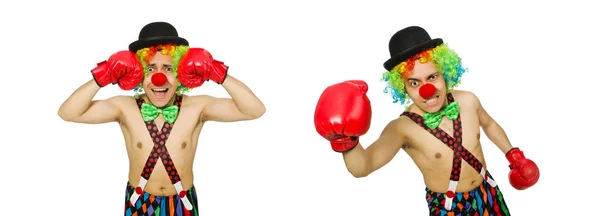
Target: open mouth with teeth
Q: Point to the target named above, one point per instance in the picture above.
(432, 101)
(160, 93)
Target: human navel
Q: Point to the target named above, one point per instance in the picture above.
(139, 145)
(183, 145)
(438, 155)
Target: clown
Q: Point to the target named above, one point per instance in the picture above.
(439, 130)
(161, 125)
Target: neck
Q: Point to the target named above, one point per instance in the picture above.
(443, 105)
(171, 101)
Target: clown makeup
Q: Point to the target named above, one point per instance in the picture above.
(426, 87)
(160, 84)
(153, 60)
(420, 69)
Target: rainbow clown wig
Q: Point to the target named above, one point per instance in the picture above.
(175, 51)
(409, 45)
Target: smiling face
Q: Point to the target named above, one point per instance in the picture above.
(159, 93)
(421, 75)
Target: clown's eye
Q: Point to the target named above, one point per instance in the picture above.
(168, 69)
(150, 69)
(414, 83)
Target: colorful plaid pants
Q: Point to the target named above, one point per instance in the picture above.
(484, 200)
(150, 205)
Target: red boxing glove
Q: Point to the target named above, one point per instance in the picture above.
(122, 67)
(343, 114)
(524, 173)
(197, 66)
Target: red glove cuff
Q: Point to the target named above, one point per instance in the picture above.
(101, 75)
(344, 144)
(219, 72)
(514, 155)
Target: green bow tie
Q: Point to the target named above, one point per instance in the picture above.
(150, 112)
(432, 120)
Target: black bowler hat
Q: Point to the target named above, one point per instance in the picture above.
(407, 43)
(157, 33)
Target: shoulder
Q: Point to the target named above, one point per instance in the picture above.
(464, 94)
(398, 125)
(121, 100)
(466, 97)
(397, 131)
(198, 100)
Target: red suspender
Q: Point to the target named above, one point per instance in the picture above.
(160, 152)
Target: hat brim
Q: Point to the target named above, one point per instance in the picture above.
(153, 41)
(400, 57)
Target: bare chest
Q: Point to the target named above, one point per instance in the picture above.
(158, 135)
(438, 146)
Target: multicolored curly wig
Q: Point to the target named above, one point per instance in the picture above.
(446, 61)
(176, 53)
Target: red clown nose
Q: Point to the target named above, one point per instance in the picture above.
(159, 79)
(427, 90)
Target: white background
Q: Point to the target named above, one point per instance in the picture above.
(532, 65)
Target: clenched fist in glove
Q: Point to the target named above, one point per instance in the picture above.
(343, 114)
(198, 66)
(524, 173)
(122, 67)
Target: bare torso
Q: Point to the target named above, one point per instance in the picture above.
(434, 158)
(181, 145)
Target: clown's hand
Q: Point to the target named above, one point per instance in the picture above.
(524, 173)
(121, 68)
(197, 66)
(343, 114)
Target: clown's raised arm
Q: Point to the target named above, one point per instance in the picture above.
(121, 68)
(343, 115)
(198, 66)
(191, 67)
